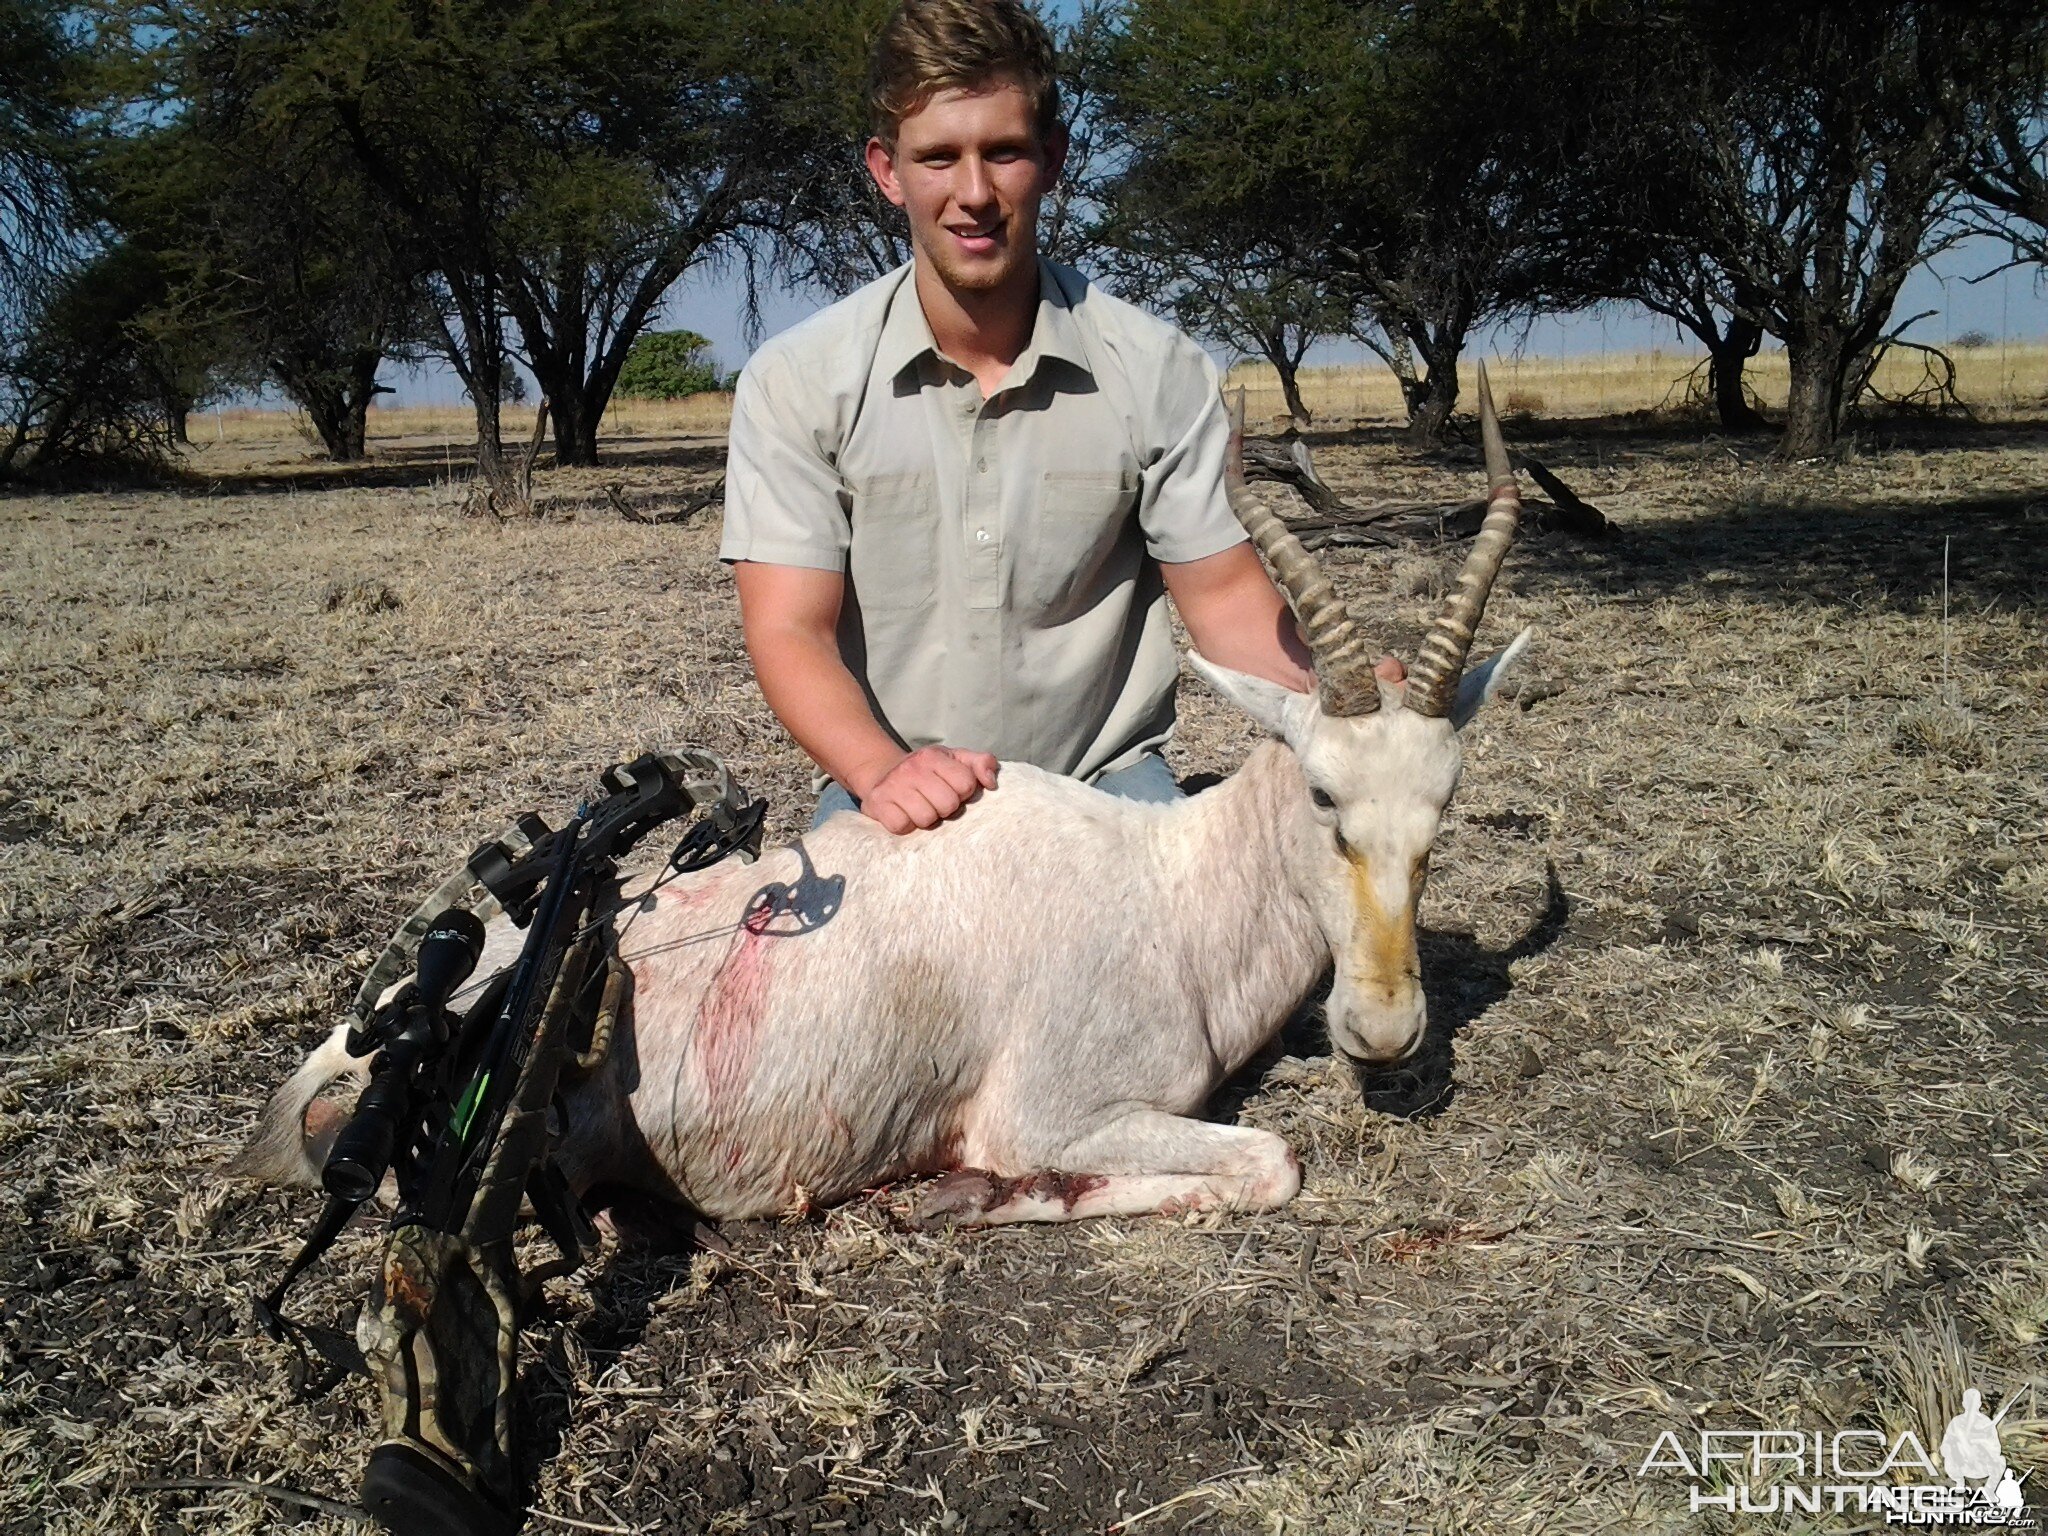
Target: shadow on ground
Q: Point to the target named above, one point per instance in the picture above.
(1461, 978)
(1822, 555)
(1584, 441)
(414, 466)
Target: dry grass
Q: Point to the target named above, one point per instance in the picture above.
(1737, 929)
(1994, 380)
(454, 426)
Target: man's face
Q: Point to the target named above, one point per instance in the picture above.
(969, 169)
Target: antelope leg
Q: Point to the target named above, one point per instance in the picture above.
(1142, 1164)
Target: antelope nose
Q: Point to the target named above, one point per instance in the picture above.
(1381, 1038)
(1373, 1053)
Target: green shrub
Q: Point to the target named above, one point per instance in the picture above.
(667, 365)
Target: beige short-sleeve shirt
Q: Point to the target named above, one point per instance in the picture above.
(1002, 554)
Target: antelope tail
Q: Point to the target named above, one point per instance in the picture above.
(285, 1148)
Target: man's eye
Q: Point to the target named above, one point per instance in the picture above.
(1322, 800)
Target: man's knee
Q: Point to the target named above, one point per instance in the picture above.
(1148, 781)
(834, 800)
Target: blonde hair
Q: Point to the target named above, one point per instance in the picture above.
(928, 46)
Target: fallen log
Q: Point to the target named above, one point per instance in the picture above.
(1538, 516)
(693, 503)
(1286, 460)
(1389, 524)
(1570, 513)
(1396, 527)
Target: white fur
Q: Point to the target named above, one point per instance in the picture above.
(1055, 979)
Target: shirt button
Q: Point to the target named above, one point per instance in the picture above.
(981, 534)
(981, 465)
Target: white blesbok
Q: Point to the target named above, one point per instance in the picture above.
(1036, 998)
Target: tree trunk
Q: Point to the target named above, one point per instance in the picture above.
(1813, 415)
(575, 424)
(1431, 402)
(490, 439)
(362, 390)
(478, 358)
(575, 370)
(559, 372)
(16, 436)
(1726, 359)
(51, 447)
(604, 373)
(348, 446)
(339, 411)
(1286, 361)
(1290, 388)
(327, 408)
(576, 398)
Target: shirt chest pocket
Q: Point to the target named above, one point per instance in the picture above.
(892, 559)
(1081, 541)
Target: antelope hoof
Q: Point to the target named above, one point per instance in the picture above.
(960, 1195)
(649, 1224)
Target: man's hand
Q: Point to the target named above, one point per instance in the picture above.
(923, 788)
(791, 615)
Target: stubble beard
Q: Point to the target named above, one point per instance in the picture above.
(977, 276)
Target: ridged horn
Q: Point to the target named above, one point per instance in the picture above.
(1344, 681)
(1433, 680)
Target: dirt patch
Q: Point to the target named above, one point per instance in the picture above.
(1731, 1115)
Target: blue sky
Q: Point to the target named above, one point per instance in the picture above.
(2013, 305)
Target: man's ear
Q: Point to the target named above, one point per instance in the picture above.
(1280, 711)
(1057, 143)
(1480, 684)
(882, 166)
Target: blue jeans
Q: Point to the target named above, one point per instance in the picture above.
(1148, 780)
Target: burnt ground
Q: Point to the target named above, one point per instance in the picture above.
(1732, 1116)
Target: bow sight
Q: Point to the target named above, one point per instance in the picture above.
(457, 1110)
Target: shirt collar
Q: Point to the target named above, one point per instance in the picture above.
(1055, 333)
(907, 335)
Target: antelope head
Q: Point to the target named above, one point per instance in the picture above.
(1380, 760)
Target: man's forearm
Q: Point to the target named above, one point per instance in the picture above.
(1254, 632)
(821, 703)
(1237, 619)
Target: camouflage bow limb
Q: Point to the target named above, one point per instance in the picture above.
(446, 1377)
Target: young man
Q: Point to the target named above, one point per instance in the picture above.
(957, 499)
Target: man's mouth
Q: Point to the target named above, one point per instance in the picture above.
(977, 239)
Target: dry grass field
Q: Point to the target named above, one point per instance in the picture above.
(1995, 379)
(1734, 1116)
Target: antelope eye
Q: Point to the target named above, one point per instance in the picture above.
(1322, 800)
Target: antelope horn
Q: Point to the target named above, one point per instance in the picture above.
(1433, 680)
(1345, 683)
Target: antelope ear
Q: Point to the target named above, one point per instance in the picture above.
(1279, 710)
(1480, 684)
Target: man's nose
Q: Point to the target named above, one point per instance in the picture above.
(975, 187)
